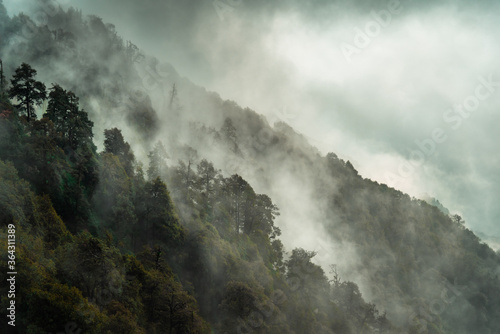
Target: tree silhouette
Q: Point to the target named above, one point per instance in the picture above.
(2, 78)
(115, 143)
(27, 90)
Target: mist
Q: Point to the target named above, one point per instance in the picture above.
(293, 62)
(285, 60)
(411, 104)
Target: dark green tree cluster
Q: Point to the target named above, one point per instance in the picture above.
(229, 204)
(72, 123)
(55, 154)
(27, 91)
(87, 277)
(233, 243)
(148, 260)
(398, 240)
(138, 211)
(104, 248)
(50, 178)
(418, 250)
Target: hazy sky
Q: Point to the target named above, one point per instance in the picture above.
(366, 86)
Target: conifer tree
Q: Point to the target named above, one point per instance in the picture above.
(27, 90)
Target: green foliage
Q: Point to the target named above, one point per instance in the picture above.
(168, 307)
(42, 155)
(50, 224)
(157, 161)
(113, 200)
(120, 320)
(11, 130)
(92, 266)
(114, 143)
(16, 197)
(27, 90)
(211, 247)
(73, 124)
(229, 135)
(2, 76)
(60, 304)
(155, 210)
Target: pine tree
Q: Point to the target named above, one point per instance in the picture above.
(73, 124)
(115, 144)
(79, 124)
(58, 108)
(27, 90)
(157, 161)
(2, 78)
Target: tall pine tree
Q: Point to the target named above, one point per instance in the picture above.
(27, 90)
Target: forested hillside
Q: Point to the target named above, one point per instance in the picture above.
(143, 204)
(101, 246)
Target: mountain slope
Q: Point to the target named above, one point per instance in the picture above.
(428, 272)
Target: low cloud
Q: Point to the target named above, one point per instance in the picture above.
(285, 60)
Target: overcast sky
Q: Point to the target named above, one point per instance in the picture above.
(366, 86)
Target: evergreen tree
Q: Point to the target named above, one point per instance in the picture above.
(229, 135)
(207, 179)
(2, 78)
(115, 144)
(79, 124)
(27, 90)
(239, 199)
(156, 212)
(72, 123)
(58, 108)
(157, 163)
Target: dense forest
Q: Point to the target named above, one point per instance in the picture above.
(102, 246)
(138, 216)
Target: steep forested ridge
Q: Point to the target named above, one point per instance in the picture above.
(171, 226)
